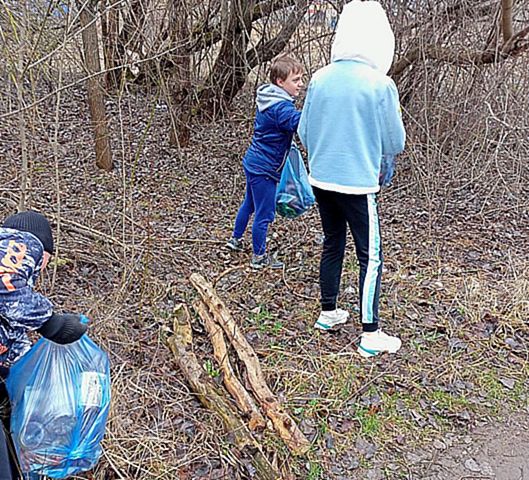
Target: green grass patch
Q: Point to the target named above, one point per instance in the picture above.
(448, 402)
(265, 321)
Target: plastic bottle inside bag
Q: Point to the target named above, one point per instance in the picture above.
(44, 433)
(33, 435)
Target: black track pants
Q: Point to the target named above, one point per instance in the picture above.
(8, 465)
(359, 212)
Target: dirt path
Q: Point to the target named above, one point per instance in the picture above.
(492, 451)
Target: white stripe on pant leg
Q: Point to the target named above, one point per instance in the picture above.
(370, 280)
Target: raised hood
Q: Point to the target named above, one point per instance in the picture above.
(364, 33)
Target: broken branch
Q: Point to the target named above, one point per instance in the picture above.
(243, 399)
(283, 423)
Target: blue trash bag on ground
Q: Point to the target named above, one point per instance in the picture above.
(294, 194)
(60, 399)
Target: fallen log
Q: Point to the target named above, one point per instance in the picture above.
(213, 397)
(282, 421)
(241, 396)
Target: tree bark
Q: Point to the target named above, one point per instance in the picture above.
(506, 19)
(180, 85)
(231, 67)
(265, 51)
(213, 398)
(283, 423)
(113, 57)
(204, 38)
(516, 44)
(96, 96)
(513, 43)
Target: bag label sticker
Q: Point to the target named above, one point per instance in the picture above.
(91, 390)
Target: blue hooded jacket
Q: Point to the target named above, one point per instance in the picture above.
(21, 308)
(275, 123)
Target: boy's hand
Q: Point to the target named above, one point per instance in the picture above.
(63, 328)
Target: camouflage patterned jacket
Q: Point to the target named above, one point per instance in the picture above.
(21, 308)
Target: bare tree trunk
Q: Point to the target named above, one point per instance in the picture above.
(265, 51)
(506, 19)
(180, 85)
(113, 58)
(204, 38)
(21, 119)
(231, 67)
(513, 43)
(96, 97)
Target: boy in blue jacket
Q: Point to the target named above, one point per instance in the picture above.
(350, 121)
(276, 121)
(26, 245)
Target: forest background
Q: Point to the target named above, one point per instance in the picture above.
(125, 121)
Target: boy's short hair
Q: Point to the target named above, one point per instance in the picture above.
(282, 66)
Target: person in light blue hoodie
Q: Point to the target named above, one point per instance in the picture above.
(350, 121)
(276, 121)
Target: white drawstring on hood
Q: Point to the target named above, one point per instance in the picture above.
(364, 33)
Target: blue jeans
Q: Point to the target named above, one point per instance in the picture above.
(260, 200)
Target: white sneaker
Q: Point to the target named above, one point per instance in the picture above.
(373, 343)
(329, 319)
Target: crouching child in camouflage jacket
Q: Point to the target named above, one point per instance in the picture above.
(26, 244)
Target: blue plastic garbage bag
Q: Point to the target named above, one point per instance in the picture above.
(60, 398)
(294, 194)
(387, 170)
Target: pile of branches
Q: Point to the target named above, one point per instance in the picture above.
(250, 411)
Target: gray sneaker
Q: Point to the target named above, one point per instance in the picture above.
(265, 261)
(235, 244)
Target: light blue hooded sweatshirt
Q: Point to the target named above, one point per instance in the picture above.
(351, 116)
